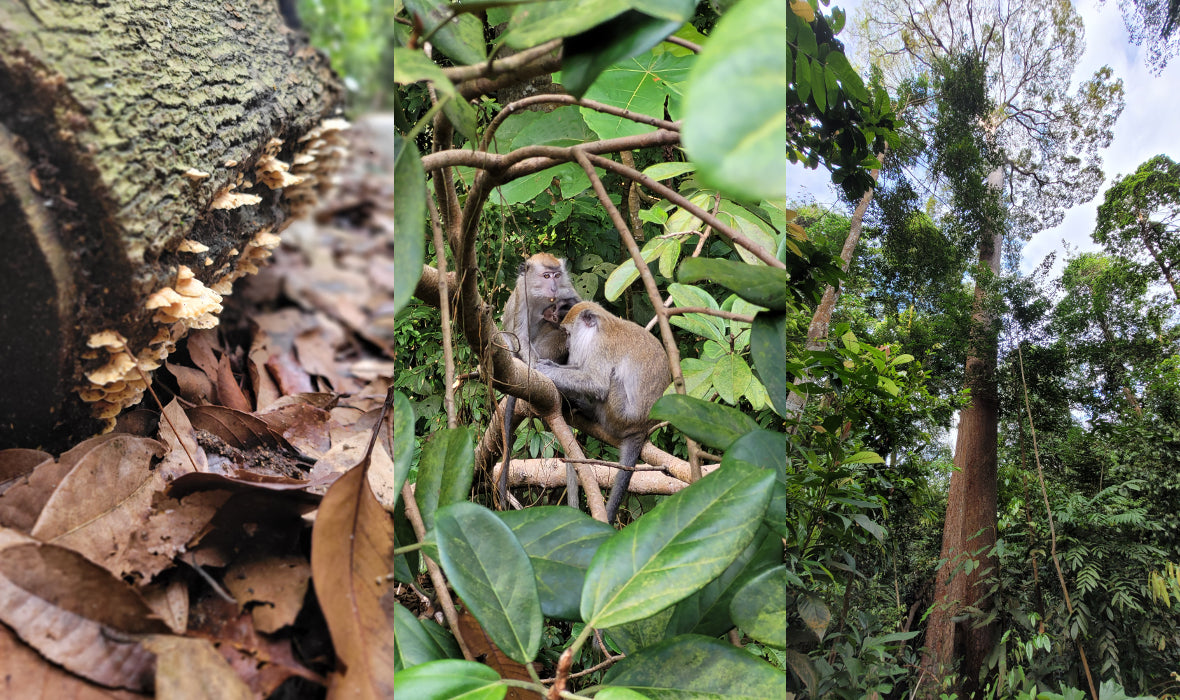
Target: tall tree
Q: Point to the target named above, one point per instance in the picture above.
(1141, 218)
(1046, 142)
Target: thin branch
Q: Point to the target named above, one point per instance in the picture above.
(683, 42)
(444, 308)
(720, 313)
(519, 105)
(508, 64)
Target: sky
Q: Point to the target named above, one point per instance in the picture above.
(1146, 128)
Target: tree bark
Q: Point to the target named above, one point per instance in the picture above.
(969, 532)
(144, 145)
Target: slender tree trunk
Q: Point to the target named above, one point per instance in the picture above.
(822, 318)
(970, 528)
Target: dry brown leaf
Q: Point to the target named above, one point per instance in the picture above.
(169, 528)
(26, 675)
(192, 669)
(481, 646)
(104, 500)
(229, 394)
(266, 391)
(264, 663)
(169, 601)
(288, 374)
(241, 430)
(21, 503)
(17, 463)
(302, 425)
(202, 349)
(351, 562)
(317, 353)
(277, 584)
(75, 613)
(350, 439)
(193, 384)
(184, 456)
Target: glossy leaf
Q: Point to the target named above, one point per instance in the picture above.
(704, 421)
(757, 284)
(735, 103)
(760, 607)
(450, 679)
(768, 349)
(768, 449)
(560, 543)
(403, 442)
(707, 611)
(536, 23)
(691, 666)
(731, 377)
(587, 54)
(409, 220)
(641, 84)
(491, 572)
(459, 37)
(411, 66)
(673, 551)
(412, 645)
(445, 471)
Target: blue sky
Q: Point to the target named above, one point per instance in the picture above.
(1148, 125)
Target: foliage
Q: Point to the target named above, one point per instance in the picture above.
(1140, 214)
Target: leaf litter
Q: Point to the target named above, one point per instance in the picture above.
(235, 542)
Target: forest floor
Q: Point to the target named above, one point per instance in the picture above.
(174, 556)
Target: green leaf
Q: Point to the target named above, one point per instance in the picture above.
(849, 78)
(449, 679)
(818, 91)
(409, 220)
(413, 645)
(814, 613)
(586, 55)
(874, 529)
(760, 607)
(537, 22)
(706, 326)
(460, 38)
(706, 422)
(864, 458)
(640, 84)
(735, 104)
(765, 448)
(758, 284)
(673, 551)
(802, 77)
(403, 442)
(707, 611)
(560, 542)
(692, 666)
(768, 349)
(664, 171)
(619, 694)
(803, 668)
(445, 471)
(731, 377)
(626, 273)
(491, 573)
(902, 359)
(413, 66)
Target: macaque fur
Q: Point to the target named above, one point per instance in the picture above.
(616, 372)
(532, 331)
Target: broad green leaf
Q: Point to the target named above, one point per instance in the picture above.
(630, 637)
(697, 375)
(664, 171)
(412, 66)
(619, 694)
(760, 607)
(403, 442)
(450, 679)
(412, 645)
(586, 55)
(626, 273)
(758, 284)
(874, 529)
(460, 38)
(445, 471)
(888, 385)
(818, 89)
(749, 226)
(735, 104)
(669, 256)
(707, 611)
(691, 666)
(639, 84)
(409, 220)
(902, 359)
(706, 326)
(570, 177)
(804, 669)
(849, 78)
(768, 349)
(673, 551)
(731, 378)
(560, 542)
(802, 77)
(864, 458)
(706, 422)
(491, 573)
(537, 22)
(684, 221)
(814, 613)
(765, 448)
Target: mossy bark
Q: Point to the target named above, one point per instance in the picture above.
(104, 107)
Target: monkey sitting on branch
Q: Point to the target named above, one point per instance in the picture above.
(616, 372)
(532, 332)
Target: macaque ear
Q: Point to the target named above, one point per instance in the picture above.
(590, 318)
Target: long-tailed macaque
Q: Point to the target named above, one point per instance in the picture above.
(532, 330)
(616, 371)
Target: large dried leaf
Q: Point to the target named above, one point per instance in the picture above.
(236, 428)
(193, 384)
(229, 394)
(191, 669)
(22, 502)
(301, 424)
(272, 587)
(168, 599)
(25, 674)
(18, 463)
(169, 529)
(75, 613)
(352, 563)
(103, 500)
(184, 454)
(296, 491)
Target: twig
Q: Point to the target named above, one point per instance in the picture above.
(444, 308)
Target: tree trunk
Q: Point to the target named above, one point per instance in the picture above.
(970, 528)
(822, 318)
(149, 153)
